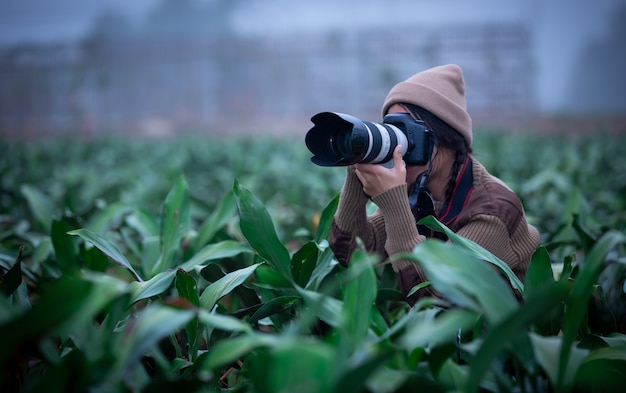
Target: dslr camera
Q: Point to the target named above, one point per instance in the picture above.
(337, 139)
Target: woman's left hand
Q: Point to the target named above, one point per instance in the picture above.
(377, 179)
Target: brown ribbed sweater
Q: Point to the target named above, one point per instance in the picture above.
(493, 217)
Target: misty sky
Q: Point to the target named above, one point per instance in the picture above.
(561, 28)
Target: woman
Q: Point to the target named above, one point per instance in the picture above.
(470, 201)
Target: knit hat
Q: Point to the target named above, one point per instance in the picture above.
(440, 90)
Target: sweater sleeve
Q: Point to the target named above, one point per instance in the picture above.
(402, 236)
(351, 221)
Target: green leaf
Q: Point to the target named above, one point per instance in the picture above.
(602, 371)
(453, 271)
(108, 248)
(312, 367)
(40, 206)
(12, 278)
(106, 218)
(547, 352)
(65, 247)
(303, 263)
(151, 325)
(228, 351)
(476, 250)
(358, 297)
(224, 286)
(143, 222)
(539, 272)
(429, 329)
(275, 305)
(224, 211)
(586, 240)
(224, 249)
(187, 287)
(326, 219)
(258, 229)
(360, 374)
(326, 308)
(68, 304)
(511, 330)
(326, 262)
(539, 275)
(155, 286)
(581, 293)
(222, 322)
(175, 221)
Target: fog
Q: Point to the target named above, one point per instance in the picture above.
(575, 58)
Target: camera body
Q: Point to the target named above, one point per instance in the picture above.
(337, 139)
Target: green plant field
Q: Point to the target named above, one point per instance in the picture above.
(202, 264)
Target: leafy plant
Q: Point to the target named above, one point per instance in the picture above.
(120, 296)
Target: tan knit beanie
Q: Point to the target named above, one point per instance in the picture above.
(440, 90)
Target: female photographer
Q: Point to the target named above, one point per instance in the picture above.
(465, 197)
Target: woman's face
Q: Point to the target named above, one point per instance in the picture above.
(412, 171)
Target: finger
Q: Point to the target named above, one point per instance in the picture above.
(397, 157)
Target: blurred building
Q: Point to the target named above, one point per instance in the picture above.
(223, 82)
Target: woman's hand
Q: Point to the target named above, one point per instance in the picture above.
(377, 179)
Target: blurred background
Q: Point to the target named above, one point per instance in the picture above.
(163, 67)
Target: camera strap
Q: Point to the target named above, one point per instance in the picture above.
(461, 193)
(423, 205)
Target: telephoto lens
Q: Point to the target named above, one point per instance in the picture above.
(337, 139)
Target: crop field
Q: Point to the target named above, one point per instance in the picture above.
(201, 264)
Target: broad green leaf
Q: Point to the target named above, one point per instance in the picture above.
(43, 249)
(224, 211)
(326, 262)
(40, 206)
(143, 222)
(509, 331)
(312, 367)
(428, 329)
(273, 306)
(12, 278)
(155, 286)
(303, 263)
(586, 240)
(258, 229)
(359, 295)
(223, 322)
(109, 216)
(108, 248)
(326, 308)
(224, 249)
(67, 304)
(547, 352)
(187, 287)
(65, 248)
(602, 371)
(175, 221)
(475, 249)
(464, 279)
(361, 374)
(581, 293)
(539, 272)
(539, 275)
(267, 277)
(453, 376)
(151, 325)
(326, 219)
(150, 253)
(228, 351)
(224, 286)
